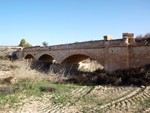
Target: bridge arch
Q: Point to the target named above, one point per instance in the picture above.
(74, 59)
(46, 58)
(83, 62)
(29, 56)
(78, 57)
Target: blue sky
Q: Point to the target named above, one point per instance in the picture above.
(69, 21)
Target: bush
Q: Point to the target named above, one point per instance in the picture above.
(80, 79)
(147, 37)
(135, 76)
(23, 43)
(48, 89)
(7, 57)
(139, 38)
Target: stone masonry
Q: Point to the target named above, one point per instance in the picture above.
(112, 54)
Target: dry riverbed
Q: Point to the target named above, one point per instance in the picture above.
(26, 95)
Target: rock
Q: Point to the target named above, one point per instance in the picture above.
(14, 80)
(142, 86)
(7, 80)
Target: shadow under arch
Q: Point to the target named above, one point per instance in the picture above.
(75, 59)
(82, 62)
(78, 57)
(29, 56)
(46, 58)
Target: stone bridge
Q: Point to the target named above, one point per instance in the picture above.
(111, 54)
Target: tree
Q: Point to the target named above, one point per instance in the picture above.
(45, 44)
(28, 45)
(23, 43)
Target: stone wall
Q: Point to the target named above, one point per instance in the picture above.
(139, 55)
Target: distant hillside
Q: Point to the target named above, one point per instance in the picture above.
(6, 51)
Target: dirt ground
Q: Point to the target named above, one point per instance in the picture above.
(85, 99)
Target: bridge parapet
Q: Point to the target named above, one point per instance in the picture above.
(80, 45)
(118, 42)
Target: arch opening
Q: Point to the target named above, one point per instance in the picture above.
(46, 58)
(29, 56)
(83, 63)
(75, 59)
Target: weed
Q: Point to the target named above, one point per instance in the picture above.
(11, 99)
(62, 100)
(147, 100)
(127, 109)
(62, 97)
(98, 111)
(33, 88)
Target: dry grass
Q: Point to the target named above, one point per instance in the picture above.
(21, 70)
(7, 52)
(56, 77)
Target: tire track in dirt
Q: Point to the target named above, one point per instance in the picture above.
(129, 102)
(147, 110)
(127, 99)
(104, 93)
(124, 94)
(75, 96)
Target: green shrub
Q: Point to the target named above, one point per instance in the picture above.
(23, 43)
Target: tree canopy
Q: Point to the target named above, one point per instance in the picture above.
(45, 44)
(23, 43)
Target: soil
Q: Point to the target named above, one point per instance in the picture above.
(107, 99)
(108, 95)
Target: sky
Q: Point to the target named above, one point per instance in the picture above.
(69, 21)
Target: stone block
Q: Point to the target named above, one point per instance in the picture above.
(107, 37)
